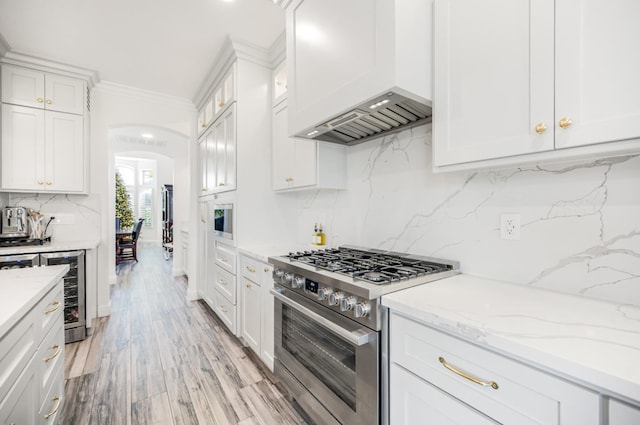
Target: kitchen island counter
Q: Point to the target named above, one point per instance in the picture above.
(52, 246)
(591, 342)
(21, 289)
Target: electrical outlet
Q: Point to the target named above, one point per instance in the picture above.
(510, 227)
(64, 218)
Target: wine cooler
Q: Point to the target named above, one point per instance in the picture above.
(74, 285)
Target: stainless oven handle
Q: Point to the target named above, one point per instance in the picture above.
(358, 337)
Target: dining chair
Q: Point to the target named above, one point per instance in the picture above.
(128, 248)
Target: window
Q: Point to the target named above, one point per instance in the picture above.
(140, 184)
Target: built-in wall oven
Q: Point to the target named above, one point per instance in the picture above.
(330, 328)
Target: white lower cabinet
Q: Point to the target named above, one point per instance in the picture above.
(32, 364)
(479, 382)
(256, 311)
(623, 414)
(415, 401)
(225, 291)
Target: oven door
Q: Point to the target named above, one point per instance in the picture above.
(334, 358)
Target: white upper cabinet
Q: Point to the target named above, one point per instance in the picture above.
(597, 71)
(343, 53)
(517, 77)
(42, 150)
(279, 82)
(37, 89)
(304, 164)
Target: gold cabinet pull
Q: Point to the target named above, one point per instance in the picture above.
(541, 128)
(221, 104)
(565, 122)
(250, 269)
(53, 412)
(49, 182)
(222, 282)
(40, 100)
(289, 179)
(49, 102)
(40, 182)
(248, 285)
(468, 376)
(57, 349)
(55, 305)
(221, 184)
(266, 269)
(223, 308)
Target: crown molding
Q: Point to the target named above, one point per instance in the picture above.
(22, 59)
(278, 50)
(121, 90)
(231, 50)
(4, 46)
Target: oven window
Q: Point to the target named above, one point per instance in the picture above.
(328, 357)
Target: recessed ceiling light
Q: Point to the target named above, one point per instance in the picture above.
(147, 135)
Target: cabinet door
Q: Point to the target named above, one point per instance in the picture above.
(493, 79)
(64, 94)
(210, 158)
(226, 150)
(23, 153)
(305, 162)
(623, 414)
(251, 308)
(202, 164)
(64, 152)
(414, 401)
(283, 148)
(21, 86)
(597, 69)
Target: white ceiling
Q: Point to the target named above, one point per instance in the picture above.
(165, 46)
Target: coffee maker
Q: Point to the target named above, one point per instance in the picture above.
(14, 222)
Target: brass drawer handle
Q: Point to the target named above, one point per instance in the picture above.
(222, 282)
(54, 355)
(55, 305)
(266, 269)
(565, 122)
(223, 308)
(40, 100)
(49, 102)
(250, 270)
(541, 128)
(53, 412)
(468, 376)
(248, 285)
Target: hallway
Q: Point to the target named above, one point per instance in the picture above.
(159, 359)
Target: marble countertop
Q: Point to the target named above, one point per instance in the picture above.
(52, 246)
(263, 252)
(585, 340)
(21, 289)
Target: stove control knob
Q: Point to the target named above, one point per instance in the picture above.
(323, 293)
(335, 298)
(362, 310)
(297, 282)
(288, 277)
(278, 274)
(347, 304)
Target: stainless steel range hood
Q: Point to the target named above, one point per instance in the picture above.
(377, 117)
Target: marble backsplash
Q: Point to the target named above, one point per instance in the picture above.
(580, 221)
(84, 210)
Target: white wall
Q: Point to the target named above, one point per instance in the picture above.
(580, 221)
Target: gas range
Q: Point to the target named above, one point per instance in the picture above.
(350, 280)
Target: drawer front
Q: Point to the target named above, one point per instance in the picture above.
(414, 401)
(226, 258)
(16, 349)
(226, 284)
(225, 311)
(524, 395)
(251, 269)
(623, 414)
(50, 309)
(50, 359)
(53, 402)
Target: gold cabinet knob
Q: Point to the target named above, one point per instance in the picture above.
(49, 183)
(49, 102)
(40, 100)
(541, 128)
(40, 182)
(565, 122)
(221, 184)
(266, 269)
(289, 179)
(221, 104)
(248, 285)
(203, 125)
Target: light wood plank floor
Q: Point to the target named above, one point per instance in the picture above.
(159, 359)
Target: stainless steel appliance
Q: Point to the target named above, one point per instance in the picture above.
(330, 333)
(223, 220)
(19, 261)
(74, 288)
(14, 222)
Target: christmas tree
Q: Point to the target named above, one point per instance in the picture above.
(123, 204)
